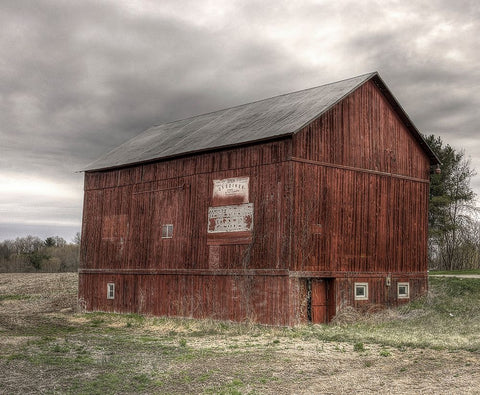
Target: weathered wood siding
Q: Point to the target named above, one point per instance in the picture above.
(124, 211)
(350, 221)
(223, 297)
(361, 185)
(193, 273)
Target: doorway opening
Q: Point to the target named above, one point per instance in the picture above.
(320, 300)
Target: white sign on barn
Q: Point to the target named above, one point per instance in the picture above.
(238, 218)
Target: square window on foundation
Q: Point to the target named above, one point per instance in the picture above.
(403, 290)
(361, 291)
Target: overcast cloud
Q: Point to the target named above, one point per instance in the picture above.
(79, 78)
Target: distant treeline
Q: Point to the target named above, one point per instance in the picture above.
(32, 254)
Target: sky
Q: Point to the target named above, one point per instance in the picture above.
(78, 78)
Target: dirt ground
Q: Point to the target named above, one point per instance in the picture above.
(34, 306)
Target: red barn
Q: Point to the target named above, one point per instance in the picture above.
(281, 211)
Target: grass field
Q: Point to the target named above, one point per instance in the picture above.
(431, 345)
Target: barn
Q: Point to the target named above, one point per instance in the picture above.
(282, 211)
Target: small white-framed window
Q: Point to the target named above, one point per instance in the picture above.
(110, 291)
(403, 290)
(167, 231)
(361, 291)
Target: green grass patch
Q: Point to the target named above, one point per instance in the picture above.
(47, 328)
(51, 352)
(233, 387)
(454, 272)
(14, 297)
(385, 353)
(359, 347)
(116, 382)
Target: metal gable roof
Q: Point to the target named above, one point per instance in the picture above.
(261, 120)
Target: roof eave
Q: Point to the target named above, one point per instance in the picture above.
(184, 154)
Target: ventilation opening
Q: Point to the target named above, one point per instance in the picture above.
(167, 231)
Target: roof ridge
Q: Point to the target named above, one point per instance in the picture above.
(339, 99)
(371, 74)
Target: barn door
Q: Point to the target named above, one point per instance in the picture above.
(320, 300)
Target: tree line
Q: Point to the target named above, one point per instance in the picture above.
(454, 226)
(31, 253)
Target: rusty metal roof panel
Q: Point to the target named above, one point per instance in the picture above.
(262, 120)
